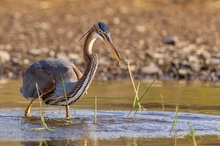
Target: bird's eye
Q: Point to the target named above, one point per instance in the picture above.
(100, 31)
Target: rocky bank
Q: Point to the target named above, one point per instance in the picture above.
(165, 39)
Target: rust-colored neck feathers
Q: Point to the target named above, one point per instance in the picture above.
(87, 48)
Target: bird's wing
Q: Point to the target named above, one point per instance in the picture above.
(33, 76)
(69, 84)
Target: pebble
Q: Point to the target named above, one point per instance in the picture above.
(169, 41)
(152, 68)
(140, 28)
(34, 52)
(4, 56)
(62, 55)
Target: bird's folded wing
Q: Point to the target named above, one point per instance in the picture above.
(44, 81)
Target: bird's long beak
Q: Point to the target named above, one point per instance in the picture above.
(107, 40)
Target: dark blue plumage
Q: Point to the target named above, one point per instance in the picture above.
(103, 27)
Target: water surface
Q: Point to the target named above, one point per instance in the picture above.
(198, 103)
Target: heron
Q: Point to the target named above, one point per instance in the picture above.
(51, 74)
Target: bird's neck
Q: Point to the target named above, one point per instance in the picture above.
(87, 48)
(91, 65)
(84, 82)
(90, 57)
(91, 61)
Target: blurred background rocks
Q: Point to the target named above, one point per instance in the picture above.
(170, 39)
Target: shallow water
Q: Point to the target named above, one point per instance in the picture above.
(110, 125)
(198, 102)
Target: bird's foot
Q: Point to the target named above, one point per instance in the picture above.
(27, 112)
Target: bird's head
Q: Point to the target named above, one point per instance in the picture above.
(102, 32)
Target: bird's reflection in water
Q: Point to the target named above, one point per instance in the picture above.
(55, 121)
(55, 143)
(61, 130)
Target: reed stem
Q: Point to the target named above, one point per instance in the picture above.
(95, 110)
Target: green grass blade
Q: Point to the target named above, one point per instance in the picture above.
(45, 143)
(217, 126)
(133, 84)
(174, 119)
(74, 107)
(95, 110)
(139, 100)
(64, 92)
(135, 89)
(41, 110)
(162, 102)
(136, 97)
(64, 89)
(175, 139)
(191, 136)
(192, 133)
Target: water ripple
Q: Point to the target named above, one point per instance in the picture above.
(110, 125)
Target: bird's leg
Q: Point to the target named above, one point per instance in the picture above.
(28, 109)
(67, 112)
